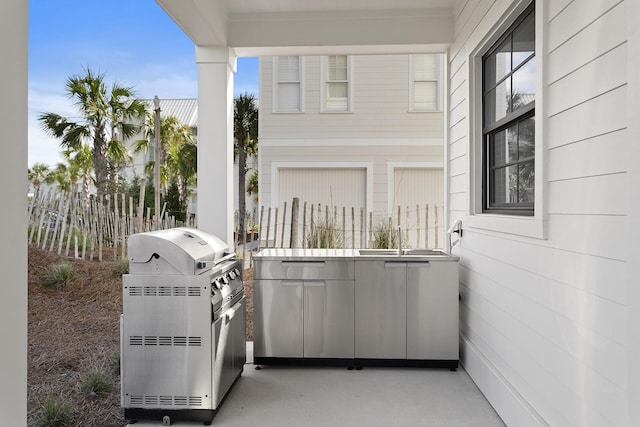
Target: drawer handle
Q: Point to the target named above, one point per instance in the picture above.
(302, 263)
(418, 264)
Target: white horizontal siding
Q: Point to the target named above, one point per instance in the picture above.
(599, 116)
(380, 88)
(545, 320)
(536, 367)
(600, 155)
(595, 78)
(596, 195)
(576, 17)
(601, 36)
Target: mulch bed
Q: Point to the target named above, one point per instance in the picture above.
(76, 329)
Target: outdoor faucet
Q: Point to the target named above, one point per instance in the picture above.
(455, 228)
(399, 241)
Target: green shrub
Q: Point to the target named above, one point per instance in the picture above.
(120, 267)
(385, 236)
(54, 412)
(96, 380)
(59, 275)
(324, 234)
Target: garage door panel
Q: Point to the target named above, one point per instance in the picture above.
(414, 190)
(336, 188)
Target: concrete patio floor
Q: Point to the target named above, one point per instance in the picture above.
(318, 396)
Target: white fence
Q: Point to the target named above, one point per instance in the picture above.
(66, 222)
(298, 225)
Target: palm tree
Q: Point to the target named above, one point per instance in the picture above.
(82, 160)
(65, 176)
(37, 174)
(245, 133)
(177, 154)
(106, 116)
(252, 185)
(185, 166)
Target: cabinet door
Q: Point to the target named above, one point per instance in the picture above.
(328, 318)
(277, 327)
(432, 311)
(380, 310)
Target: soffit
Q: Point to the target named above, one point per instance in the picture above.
(264, 27)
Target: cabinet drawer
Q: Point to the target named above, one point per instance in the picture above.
(304, 269)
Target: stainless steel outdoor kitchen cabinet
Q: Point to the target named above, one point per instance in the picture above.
(305, 309)
(432, 314)
(355, 308)
(406, 310)
(380, 309)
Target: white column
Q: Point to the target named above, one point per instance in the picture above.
(13, 227)
(633, 131)
(216, 65)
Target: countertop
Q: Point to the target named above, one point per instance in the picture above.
(299, 254)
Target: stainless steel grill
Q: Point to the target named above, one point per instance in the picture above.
(183, 326)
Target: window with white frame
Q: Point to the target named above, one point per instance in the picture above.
(508, 123)
(426, 88)
(336, 92)
(287, 84)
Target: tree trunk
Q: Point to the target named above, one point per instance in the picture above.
(100, 165)
(184, 196)
(241, 188)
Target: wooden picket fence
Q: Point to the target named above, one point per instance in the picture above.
(68, 223)
(310, 226)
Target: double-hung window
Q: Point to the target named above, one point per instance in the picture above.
(425, 89)
(508, 124)
(336, 71)
(288, 84)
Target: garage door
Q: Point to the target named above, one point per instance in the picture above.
(414, 190)
(332, 188)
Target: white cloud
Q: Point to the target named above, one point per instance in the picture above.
(42, 147)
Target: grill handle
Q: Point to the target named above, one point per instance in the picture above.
(210, 264)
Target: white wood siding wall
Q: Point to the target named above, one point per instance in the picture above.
(380, 104)
(544, 321)
(379, 130)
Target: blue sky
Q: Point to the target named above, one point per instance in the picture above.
(131, 41)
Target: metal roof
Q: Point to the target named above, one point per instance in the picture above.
(185, 110)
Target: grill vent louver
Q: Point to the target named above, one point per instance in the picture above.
(152, 341)
(164, 401)
(164, 291)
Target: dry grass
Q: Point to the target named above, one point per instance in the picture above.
(75, 329)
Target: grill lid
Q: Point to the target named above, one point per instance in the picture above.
(175, 251)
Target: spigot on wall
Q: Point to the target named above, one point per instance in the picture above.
(455, 228)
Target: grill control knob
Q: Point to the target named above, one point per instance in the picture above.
(232, 275)
(224, 281)
(235, 270)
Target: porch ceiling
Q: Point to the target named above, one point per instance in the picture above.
(266, 27)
